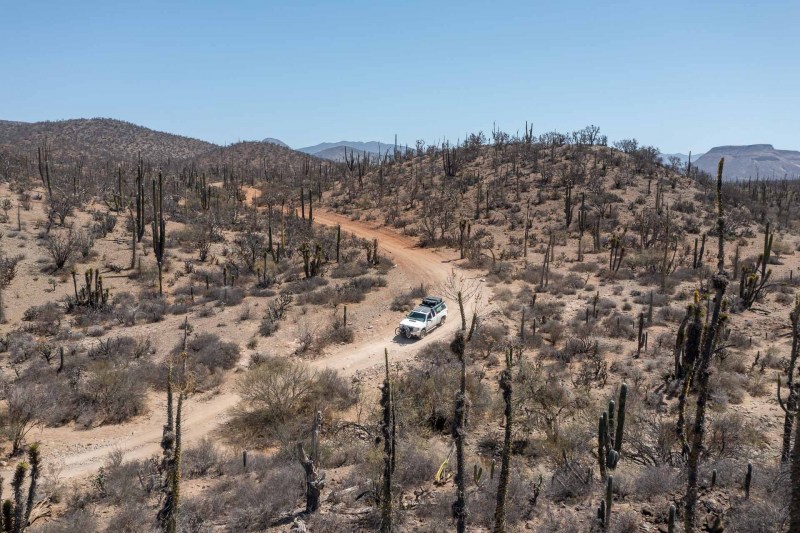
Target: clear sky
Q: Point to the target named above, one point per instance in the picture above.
(678, 75)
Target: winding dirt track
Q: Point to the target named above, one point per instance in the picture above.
(80, 453)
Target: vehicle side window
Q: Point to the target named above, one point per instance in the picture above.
(439, 308)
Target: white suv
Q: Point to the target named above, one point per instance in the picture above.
(431, 313)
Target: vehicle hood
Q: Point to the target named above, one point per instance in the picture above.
(412, 323)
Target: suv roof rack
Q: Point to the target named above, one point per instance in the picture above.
(432, 301)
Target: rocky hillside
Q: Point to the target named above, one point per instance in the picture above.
(98, 138)
(253, 156)
(97, 141)
(749, 161)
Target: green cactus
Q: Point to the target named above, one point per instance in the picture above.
(641, 338)
(477, 474)
(748, 479)
(311, 262)
(34, 459)
(719, 282)
(623, 395)
(671, 519)
(8, 515)
(338, 240)
(19, 504)
(459, 431)
(159, 229)
(753, 282)
(387, 429)
(170, 466)
(609, 499)
(310, 207)
(92, 294)
(568, 207)
(506, 385)
(602, 443)
(610, 433)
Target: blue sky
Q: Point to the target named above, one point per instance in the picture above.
(677, 75)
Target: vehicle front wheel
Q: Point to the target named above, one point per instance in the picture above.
(423, 333)
(443, 319)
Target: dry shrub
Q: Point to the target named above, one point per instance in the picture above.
(75, 519)
(254, 504)
(132, 518)
(732, 434)
(112, 394)
(328, 523)
(407, 300)
(345, 270)
(417, 464)
(757, 516)
(482, 504)
(620, 326)
(428, 394)
(207, 356)
(655, 480)
(279, 397)
(727, 387)
(558, 522)
(43, 319)
(625, 522)
(202, 459)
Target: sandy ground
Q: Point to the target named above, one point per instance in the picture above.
(79, 452)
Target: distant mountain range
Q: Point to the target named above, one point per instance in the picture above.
(751, 161)
(683, 157)
(113, 140)
(336, 151)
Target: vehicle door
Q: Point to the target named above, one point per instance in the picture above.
(439, 310)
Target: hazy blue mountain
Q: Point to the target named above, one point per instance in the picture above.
(749, 161)
(335, 150)
(272, 140)
(683, 157)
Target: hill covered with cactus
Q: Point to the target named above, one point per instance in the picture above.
(210, 329)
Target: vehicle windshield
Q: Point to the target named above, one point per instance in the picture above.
(417, 316)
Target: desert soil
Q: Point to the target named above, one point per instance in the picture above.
(78, 452)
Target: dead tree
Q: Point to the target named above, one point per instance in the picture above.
(315, 478)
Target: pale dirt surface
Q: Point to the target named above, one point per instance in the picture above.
(80, 451)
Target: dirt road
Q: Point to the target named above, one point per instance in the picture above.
(79, 453)
(418, 265)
